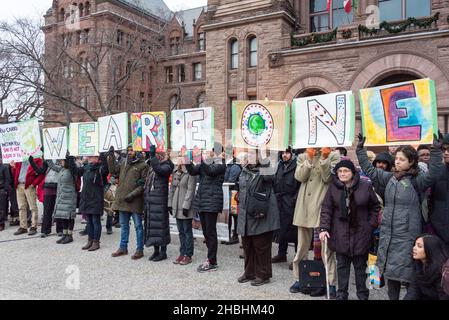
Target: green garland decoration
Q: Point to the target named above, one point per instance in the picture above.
(314, 38)
(397, 27)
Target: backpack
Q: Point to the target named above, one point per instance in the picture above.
(445, 277)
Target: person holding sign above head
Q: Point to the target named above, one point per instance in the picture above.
(258, 217)
(131, 172)
(402, 217)
(26, 180)
(209, 200)
(94, 175)
(180, 205)
(65, 203)
(157, 225)
(313, 170)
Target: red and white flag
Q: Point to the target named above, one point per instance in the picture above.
(348, 5)
(329, 5)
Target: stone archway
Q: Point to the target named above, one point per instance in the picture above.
(310, 83)
(409, 63)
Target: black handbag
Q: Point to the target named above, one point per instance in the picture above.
(258, 201)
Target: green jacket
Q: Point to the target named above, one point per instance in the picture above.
(131, 182)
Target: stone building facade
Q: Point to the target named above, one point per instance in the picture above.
(282, 49)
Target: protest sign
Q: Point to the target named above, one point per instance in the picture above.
(83, 139)
(55, 143)
(323, 121)
(113, 131)
(401, 113)
(192, 128)
(149, 128)
(260, 124)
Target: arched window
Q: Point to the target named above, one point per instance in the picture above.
(252, 45)
(174, 101)
(310, 93)
(201, 100)
(395, 78)
(81, 9)
(234, 46)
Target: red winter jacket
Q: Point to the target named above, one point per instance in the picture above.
(31, 178)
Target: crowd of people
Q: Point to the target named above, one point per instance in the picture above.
(394, 205)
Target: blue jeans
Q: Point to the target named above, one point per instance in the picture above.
(124, 226)
(185, 237)
(94, 226)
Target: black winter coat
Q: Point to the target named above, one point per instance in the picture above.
(439, 216)
(345, 239)
(157, 225)
(5, 181)
(286, 187)
(209, 196)
(5, 177)
(94, 180)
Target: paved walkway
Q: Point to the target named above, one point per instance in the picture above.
(35, 268)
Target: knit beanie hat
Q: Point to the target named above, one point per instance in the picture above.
(345, 164)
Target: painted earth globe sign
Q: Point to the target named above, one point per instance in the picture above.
(257, 125)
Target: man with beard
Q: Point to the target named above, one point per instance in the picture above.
(129, 197)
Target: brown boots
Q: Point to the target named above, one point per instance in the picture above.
(120, 252)
(95, 246)
(91, 245)
(88, 245)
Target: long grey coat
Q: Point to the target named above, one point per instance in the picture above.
(247, 225)
(65, 205)
(402, 218)
(182, 193)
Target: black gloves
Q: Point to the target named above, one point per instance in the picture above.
(30, 159)
(152, 151)
(129, 198)
(362, 140)
(170, 210)
(185, 212)
(437, 141)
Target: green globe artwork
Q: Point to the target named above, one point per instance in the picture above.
(256, 124)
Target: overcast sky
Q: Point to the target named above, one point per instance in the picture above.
(34, 8)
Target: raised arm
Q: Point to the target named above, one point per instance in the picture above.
(213, 169)
(436, 166)
(38, 169)
(164, 170)
(53, 166)
(193, 170)
(379, 177)
(326, 163)
(303, 168)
